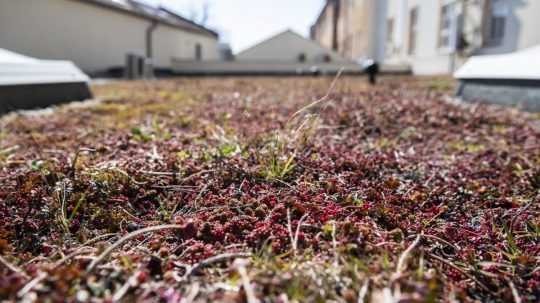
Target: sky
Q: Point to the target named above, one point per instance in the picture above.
(243, 23)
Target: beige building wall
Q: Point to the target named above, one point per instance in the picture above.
(323, 29)
(354, 28)
(93, 37)
(171, 43)
(361, 28)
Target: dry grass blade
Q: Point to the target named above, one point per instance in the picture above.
(448, 263)
(405, 255)
(324, 98)
(42, 276)
(131, 282)
(12, 267)
(515, 293)
(294, 236)
(31, 284)
(362, 294)
(215, 259)
(126, 238)
(246, 283)
(441, 241)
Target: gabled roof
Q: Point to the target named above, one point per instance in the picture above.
(273, 47)
(159, 14)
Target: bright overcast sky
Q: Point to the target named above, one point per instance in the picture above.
(243, 23)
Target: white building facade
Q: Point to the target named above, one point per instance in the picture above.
(98, 34)
(437, 36)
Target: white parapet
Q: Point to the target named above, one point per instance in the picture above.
(28, 83)
(16, 69)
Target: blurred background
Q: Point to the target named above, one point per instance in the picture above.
(421, 36)
(145, 39)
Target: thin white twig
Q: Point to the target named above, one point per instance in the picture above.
(246, 283)
(215, 259)
(515, 293)
(363, 292)
(403, 258)
(461, 270)
(30, 285)
(324, 98)
(294, 237)
(42, 275)
(193, 292)
(334, 244)
(298, 227)
(289, 229)
(131, 282)
(12, 267)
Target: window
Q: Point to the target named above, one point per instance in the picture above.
(448, 27)
(198, 52)
(413, 30)
(497, 21)
(302, 57)
(389, 33)
(327, 58)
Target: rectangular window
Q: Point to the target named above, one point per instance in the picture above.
(497, 21)
(198, 52)
(448, 26)
(390, 30)
(390, 36)
(413, 30)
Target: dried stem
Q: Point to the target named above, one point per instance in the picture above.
(294, 237)
(448, 263)
(126, 238)
(215, 259)
(12, 267)
(403, 258)
(324, 98)
(246, 283)
(363, 292)
(131, 282)
(515, 293)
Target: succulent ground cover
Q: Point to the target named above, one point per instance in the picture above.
(271, 190)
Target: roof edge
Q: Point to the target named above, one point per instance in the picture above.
(201, 27)
(110, 5)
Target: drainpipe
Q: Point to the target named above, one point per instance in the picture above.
(337, 10)
(149, 69)
(149, 35)
(486, 22)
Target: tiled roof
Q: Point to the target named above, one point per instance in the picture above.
(159, 14)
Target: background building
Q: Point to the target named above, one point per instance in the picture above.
(436, 37)
(286, 53)
(97, 35)
(428, 36)
(355, 29)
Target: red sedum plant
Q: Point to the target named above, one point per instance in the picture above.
(347, 194)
